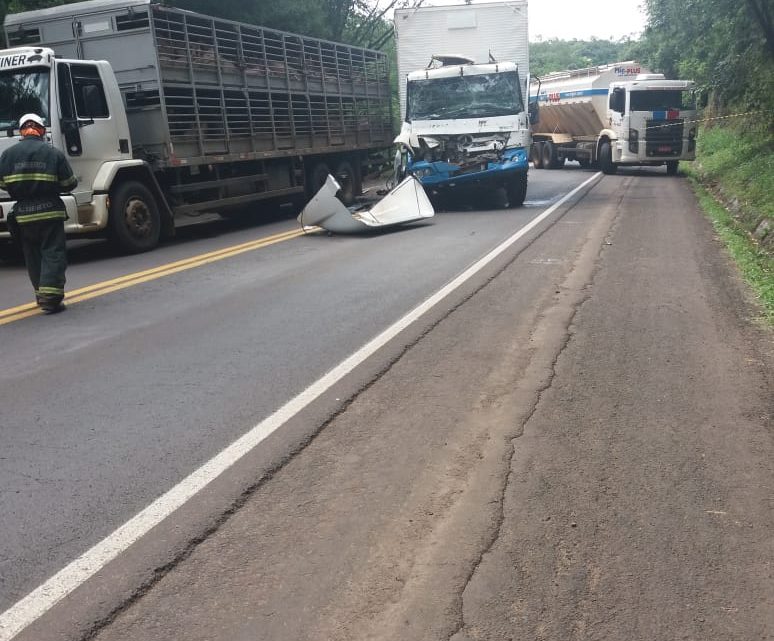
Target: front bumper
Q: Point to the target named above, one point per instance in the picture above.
(81, 219)
(442, 175)
(647, 155)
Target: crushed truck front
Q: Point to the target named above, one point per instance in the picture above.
(466, 128)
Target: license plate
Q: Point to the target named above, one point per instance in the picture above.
(665, 148)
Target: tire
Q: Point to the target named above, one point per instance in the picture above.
(536, 155)
(516, 188)
(346, 177)
(550, 156)
(606, 159)
(439, 201)
(671, 166)
(134, 222)
(316, 178)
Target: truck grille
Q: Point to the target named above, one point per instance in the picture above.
(664, 137)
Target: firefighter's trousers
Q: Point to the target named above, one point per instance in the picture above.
(43, 243)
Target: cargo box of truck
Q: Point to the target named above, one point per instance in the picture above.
(204, 114)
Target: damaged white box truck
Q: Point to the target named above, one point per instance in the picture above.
(464, 82)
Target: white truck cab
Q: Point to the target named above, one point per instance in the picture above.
(84, 115)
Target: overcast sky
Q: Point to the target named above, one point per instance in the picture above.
(582, 19)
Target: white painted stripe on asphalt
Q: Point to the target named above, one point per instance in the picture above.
(39, 601)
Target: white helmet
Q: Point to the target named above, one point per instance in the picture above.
(31, 118)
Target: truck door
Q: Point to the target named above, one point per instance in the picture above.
(88, 130)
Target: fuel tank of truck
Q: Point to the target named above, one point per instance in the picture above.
(575, 102)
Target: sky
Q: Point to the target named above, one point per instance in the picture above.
(581, 19)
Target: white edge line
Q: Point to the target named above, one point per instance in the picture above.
(43, 598)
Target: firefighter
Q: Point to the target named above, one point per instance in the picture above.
(34, 174)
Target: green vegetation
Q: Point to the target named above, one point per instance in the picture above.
(734, 180)
(726, 46)
(557, 55)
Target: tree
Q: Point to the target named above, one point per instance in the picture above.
(725, 45)
(557, 55)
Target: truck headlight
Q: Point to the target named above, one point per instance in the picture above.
(634, 140)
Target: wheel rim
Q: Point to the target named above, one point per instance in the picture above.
(138, 217)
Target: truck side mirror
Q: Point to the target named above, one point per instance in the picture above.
(72, 136)
(534, 112)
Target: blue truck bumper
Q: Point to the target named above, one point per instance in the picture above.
(441, 176)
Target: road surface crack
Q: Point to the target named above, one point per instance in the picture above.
(569, 300)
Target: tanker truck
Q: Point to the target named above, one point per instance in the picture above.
(166, 115)
(464, 74)
(611, 116)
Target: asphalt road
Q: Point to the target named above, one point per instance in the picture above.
(108, 405)
(576, 443)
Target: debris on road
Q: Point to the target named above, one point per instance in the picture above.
(407, 203)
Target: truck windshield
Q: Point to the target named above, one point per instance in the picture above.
(661, 100)
(23, 92)
(481, 96)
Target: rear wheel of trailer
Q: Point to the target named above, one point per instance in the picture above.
(536, 155)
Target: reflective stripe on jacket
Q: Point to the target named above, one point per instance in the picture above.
(34, 174)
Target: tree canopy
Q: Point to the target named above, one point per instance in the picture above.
(727, 46)
(557, 55)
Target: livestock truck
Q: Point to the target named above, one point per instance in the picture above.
(611, 116)
(464, 82)
(166, 114)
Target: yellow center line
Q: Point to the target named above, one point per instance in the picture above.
(129, 280)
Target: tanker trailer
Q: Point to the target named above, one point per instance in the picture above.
(614, 115)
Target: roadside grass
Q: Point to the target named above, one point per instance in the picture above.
(733, 178)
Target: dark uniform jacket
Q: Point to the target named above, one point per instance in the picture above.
(34, 174)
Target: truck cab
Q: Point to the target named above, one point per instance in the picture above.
(81, 106)
(466, 127)
(653, 121)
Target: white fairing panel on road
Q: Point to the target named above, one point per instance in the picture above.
(407, 203)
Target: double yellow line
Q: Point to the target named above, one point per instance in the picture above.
(122, 282)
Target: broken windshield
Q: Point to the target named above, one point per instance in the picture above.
(480, 96)
(23, 92)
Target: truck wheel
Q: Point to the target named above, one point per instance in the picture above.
(346, 177)
(550, 159)
(536, 155)
(316, 178)
(134, 222)
(606, 159)
(672, 167)
(516, 188)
